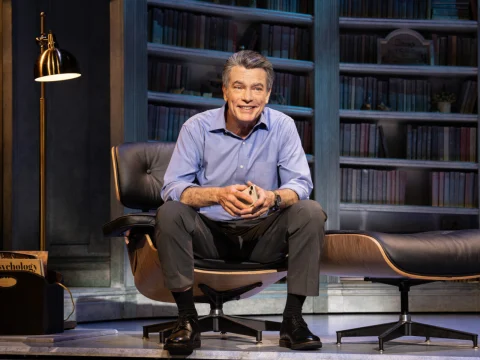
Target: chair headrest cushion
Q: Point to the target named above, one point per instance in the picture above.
(140, 168)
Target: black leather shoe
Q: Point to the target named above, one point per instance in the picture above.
(294, 334)
(185, 336)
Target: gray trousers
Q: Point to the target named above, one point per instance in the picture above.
(182, 234)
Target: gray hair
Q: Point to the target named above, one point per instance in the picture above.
(248, 59)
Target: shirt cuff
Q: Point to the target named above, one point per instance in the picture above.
(301, 192)
(175, 192)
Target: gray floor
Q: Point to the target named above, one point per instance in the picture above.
(123, 339)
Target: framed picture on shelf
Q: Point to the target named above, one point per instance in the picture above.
(405, 47)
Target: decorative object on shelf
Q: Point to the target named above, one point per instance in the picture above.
(444, 101)
(34, 304)
(367, 105)
(405, 46)
(383, 107)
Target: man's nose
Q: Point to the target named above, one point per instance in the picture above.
(247, 95)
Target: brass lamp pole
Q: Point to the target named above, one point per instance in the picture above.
(52, 64)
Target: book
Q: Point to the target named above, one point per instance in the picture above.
(34, 261)
(31, 265)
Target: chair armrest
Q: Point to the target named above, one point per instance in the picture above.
(140, 222)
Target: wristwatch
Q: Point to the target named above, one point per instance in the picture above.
(278, 201)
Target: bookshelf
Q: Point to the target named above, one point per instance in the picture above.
(417, 213)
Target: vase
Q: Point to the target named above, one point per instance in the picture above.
(444, 107)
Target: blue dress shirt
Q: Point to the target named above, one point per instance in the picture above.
(208, 155)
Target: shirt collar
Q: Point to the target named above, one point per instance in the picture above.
(218, 122)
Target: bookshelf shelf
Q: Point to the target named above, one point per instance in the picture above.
(408, 209)
(213, 57)
(409, 116)
(415, 70)
(237, 12)
(205, 102)
(411, 164)
(390, 24)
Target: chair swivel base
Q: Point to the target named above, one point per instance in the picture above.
(394, 330)
(217, 321)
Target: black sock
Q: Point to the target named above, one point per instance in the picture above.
(294, 305)
(185, 303)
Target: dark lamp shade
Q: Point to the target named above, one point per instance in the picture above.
(56, 65)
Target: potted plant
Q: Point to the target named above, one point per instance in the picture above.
(444, 101)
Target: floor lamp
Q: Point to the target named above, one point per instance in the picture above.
(53, 64)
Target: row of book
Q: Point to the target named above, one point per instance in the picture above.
(409, 9)
(304, 128)
(281, 41)
(358, 48)
(454, 50)
(447, 50)
(185, 29)
(167, 77)
(454, 189)
(362, 139)
(396, 94)
(172, 27)
(447, 143)
(164, 123)
(449, 9)
(290, 89)
(371, 186)
(467, 102)
(299, 6)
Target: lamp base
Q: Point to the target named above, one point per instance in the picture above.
(69, 324)
(30, 304)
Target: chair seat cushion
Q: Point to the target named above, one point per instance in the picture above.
(433, 253)
(216, 264)
(145, 223)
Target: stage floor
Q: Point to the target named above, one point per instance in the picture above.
(123, 339)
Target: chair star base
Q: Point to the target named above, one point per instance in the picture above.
(217, 321)
(394, 330)
(405, 327)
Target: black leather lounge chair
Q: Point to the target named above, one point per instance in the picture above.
(139, 170)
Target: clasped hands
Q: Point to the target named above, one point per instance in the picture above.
(237, 203)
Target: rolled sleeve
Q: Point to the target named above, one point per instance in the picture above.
(301, 191)
(293, 165)
(174, 191)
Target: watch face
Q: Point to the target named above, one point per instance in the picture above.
(278, 200)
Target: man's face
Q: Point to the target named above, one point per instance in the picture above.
(246, 94)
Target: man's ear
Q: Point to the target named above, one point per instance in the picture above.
(224, 89)
(268, 96)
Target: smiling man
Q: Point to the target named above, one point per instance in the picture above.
(219, 153)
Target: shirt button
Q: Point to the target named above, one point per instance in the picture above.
(241, 166)
(243, 143)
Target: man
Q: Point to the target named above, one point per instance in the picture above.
(219, 153)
